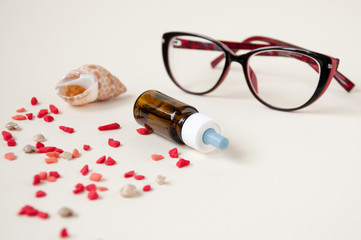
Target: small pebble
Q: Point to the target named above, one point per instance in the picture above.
(53, 109)
(102, 189)
(147, 188)
(157, 157)
(182, 163)
(46, 149)
(101, 160)
(9, 156)
(51, 179)
(84, 171)
(128, 191)
(51, 160)
(92, 195)
(43, 175)
(91, 187)
(20, 110)
(42, 113)
(48, 118)
(11, 143)
(36, 179)
(39, 138)
(129, 174)
(39, 145)
(96, 177)
(173, 153)
(33, 101)
(29, 116)
(159, 179)
(29, 149)
(53, 154)
(18, 117)
(76, 153)
(6, 135)
(64, 233)
(86, 147)
(110, 161)
(43, 215)
(12, 126)
(40, 194)
(66, 129)
(113, 143)
(139, 177)
(143, 131)
(66, 155)
(65, 212)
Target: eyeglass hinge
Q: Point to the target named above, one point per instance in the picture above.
(176, 43)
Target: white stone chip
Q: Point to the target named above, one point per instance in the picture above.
(160, 179)
(12, 126)
(39, 138)
(66, 155)
(128, 191)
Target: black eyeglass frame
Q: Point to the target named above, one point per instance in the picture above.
(328, 66)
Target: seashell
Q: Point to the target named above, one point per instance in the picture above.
(87, 84)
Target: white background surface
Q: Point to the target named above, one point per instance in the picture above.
(284, 176)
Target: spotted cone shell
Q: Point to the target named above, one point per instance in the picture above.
(89, 83)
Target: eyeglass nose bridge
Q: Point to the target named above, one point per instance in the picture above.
(252, 78)
(241, 59)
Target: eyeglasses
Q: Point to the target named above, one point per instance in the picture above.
(280, 75)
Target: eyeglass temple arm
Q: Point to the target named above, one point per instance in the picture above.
(340, 78)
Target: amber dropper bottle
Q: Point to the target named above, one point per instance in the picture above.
(178, 121)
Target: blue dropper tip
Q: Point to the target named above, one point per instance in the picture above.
(211, 137)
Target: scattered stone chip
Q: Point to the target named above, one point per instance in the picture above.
(66, 212)
(29, 149)
(128, 191)
(12, 126)
(160, 179)
(66, 155)
(39, 138)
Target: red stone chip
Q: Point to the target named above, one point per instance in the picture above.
(40, 194)
(111, 126)
(86, 147)
(29, 116)
(67, 129)
(182, 163)
(48, 118)
(92, 195)
(110, 161)
(173, 153)
(53, 109)
(18, 117)
(34, 101)
(84, 171)
(143, 131)
(157, 157)
(113, 143)
(64, 233)
(147, 188)
(129, 174)
(101, 160)
(139, 177)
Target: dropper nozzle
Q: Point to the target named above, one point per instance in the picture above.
(211, 137)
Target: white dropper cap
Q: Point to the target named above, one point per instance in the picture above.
(203, 133)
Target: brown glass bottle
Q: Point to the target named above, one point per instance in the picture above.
(163, 114)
